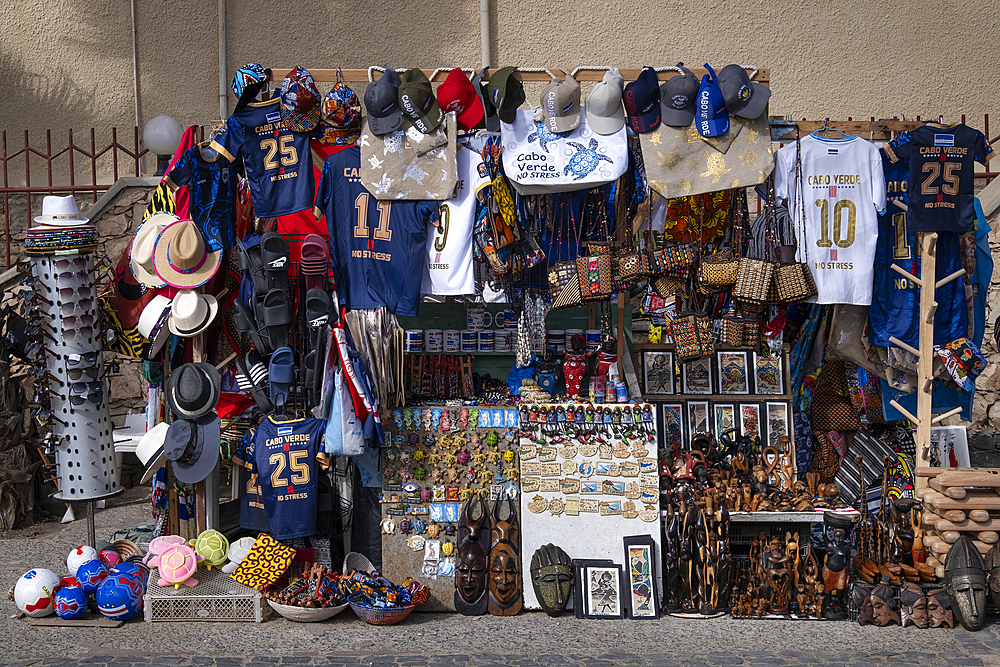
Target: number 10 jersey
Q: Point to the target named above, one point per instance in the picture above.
(285, 463)
(842, 192)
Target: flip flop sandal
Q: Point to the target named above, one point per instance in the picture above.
(275, 318)
(245, 323)
(251, 262)
(320, 369)
(282, 370)
(274, 255)
(310, 369)
(250, 367)
(317, 308)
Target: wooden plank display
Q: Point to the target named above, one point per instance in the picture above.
(438, 75)
(585, 477)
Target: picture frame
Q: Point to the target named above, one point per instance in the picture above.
(604, 593)
(724, 418)
(579, 565)
(734, 377)
(778, 423)
(698, 418)
(769, 375)
(658, 372)
(750, 424)
(673, 426)
(640, 577)
(696, 377)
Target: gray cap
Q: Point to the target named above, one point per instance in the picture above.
(561, 104)
(677, 97)
(605, 113)
(382, 104)
(491, 119)
(743, 97)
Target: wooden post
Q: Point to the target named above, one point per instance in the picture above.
(925, 370)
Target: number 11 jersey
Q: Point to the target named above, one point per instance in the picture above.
(842, 192)
(378, 247)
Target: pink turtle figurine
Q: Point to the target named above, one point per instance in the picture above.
(178, 564)
(158, 545)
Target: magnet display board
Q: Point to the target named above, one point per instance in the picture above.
(587, 535)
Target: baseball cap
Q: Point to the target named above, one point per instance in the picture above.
(711, 116)
(677, 96)
(300, 105)
(743, 97)
(459, 95)
(605, 114)
(381, 101)
(491, 119)
(642, 102)
(417, 101)
(341, 115)
(248, 81)
(561, 104)
(506, 93)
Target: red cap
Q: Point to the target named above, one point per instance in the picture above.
(457, 94)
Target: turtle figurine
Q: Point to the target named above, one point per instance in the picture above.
(238, 550)
(177, 566)
(584, 160)
(157, 546)
(213, 547)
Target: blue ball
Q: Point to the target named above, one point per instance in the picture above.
(71, 603)
(134, 570)
(90, 575)
(119, 597)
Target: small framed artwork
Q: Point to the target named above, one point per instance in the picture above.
(604, 596)
(697, 413)
(723, 418)
(750, 420)
(658, 372)
(673, 426)
(696, 376)
(777, 423)
(768, 375)
(640, 564)
(733, 376)
(580, 566)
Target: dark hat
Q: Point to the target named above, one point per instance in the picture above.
(193, 389)
(381, 101)
(712, 116)
(192, 445)
(677, 96)
(417, 101)
(743, 97)
(506, 93)
(491, 119)
(642, 102)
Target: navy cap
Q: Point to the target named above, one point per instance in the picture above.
(642, 102)
(711, 117)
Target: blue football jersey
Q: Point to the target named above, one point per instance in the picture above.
(212, 186)
(895, 307)
(277, 161)
(378, 248)
(252, 514)
(285, 455)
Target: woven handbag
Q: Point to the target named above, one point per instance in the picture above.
(560, 276)
(795, 282)
(569, 295)
(731, 330)
(718, 272)
(675, 257)
(753, 280)
(631, 266)
(595, 277)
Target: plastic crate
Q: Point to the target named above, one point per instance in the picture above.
(217, 597)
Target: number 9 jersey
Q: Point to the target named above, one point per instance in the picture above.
(285, 462)
(277, 161)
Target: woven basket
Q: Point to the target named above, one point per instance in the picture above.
(380, 615)
(305, 614)
(355, 561)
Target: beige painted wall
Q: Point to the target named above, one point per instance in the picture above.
(68, 64)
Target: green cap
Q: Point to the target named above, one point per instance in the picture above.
(506, 93)
(417, 101)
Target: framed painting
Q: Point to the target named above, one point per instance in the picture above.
(733, 373)
(640, 565)
(698, 419)
(603, 590)
(777, 423)
(723, 418)
(580, 566)
(673, 426)
(658, 372)
(750, 420)
(696, 376)
(768, 375)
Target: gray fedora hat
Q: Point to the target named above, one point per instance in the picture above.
(192, 446)
(193, 390)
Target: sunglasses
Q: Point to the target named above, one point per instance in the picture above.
(72, 277)
(84, 332)
(86, 388)
(88, 358)
(74, 321)
(70, 307)
(66, 293)
(77, 373)
(95, 398)
(76, 263)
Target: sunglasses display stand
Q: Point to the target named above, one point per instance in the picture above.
(85, 457)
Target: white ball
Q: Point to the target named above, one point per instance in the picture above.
(35, 591)
(78, 557)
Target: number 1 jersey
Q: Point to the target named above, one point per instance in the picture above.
(842, 192)
(285, 462)
(378, 248)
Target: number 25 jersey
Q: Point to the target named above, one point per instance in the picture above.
(842, 192)
(277, 161)
(378, 248)
(285, 462)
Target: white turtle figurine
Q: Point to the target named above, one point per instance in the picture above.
(238, 550)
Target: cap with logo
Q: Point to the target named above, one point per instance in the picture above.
(605, 114)
(506, 93)
(382, 103)
(743, 97)
(300, 107)
(341, 116)
(642, 102)
(417, 101)
(248, 81)
(711, 116)
(677, 96)
(481, 85)
(459, 95)
(561, 104)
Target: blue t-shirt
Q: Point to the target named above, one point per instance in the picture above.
(212, 184)
(285, 455)
(252, 514)
(378, 248)
(895, 307)
(277, 161)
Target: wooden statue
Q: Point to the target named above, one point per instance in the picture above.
(672, 594)
(776, 565)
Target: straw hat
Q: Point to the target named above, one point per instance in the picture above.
(191, 313)
(180, 257)
(141, 259)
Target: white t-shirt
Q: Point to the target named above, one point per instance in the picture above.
(844, 190)
(448, 271)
